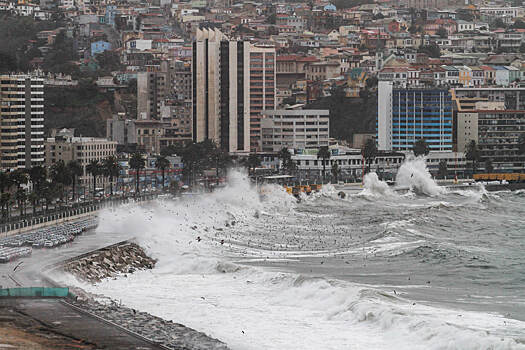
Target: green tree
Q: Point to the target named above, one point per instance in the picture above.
(420, 148)
(21, 198)
(95, 169)
(50, 191)
(60, 174)
(111, 169)
(285, 157)
(137, 163)
(518, 24)
(324, 154)
(5, 184)
(252, 163)
(498, 23)
(336, 172)
(75, 170)
(19, 177)
(369, 152)
(472, 155)
(38, 176)
(443, 169)
(108, 61)
(220, 160)
(432, 50)
(162, 164)
(5, 199)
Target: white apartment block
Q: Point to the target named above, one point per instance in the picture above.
(21, 121)
(297, 129)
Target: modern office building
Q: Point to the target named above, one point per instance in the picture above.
(21, 121)
(407, 115)
(222, 91)
(294, 128)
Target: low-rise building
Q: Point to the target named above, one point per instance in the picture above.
(294, 128)
(64, 146)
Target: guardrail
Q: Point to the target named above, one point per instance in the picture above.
(34, 292)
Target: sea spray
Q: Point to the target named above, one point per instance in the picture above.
(414, 175)
(201, 284)
(375, 187)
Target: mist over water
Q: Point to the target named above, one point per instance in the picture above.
(423, 268)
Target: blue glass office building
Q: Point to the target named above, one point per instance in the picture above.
(406, 115)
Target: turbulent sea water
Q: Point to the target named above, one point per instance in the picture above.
(421, 268)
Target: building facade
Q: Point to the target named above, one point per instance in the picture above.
(66, 147)
(407, 115)
(121, 130)
(233, 82)
(262, 90)
(221, 108)
(21, 121)
(152, 89)
(297, 129)
(496, 133)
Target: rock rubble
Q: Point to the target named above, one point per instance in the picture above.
(167, 333)
(109, 262)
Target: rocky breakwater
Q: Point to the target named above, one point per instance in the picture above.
(108, 262)
(169, 334)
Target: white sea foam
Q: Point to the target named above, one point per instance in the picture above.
(198, 284)
(414, 174)
(375, 187)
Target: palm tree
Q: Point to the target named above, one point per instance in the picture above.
(162, 164)
(443, 169)
(19, 177)
(60, 174)
(369, 153)
(253, 162)
(38, 176)
(5, 184)
(75, 170)
(111, 169)
(220, 160)
(137, 162)
(285, 157)
(95, 169)
(21, 198)
(324, 154)
(420, 148)
(5, 199)
(336, 171)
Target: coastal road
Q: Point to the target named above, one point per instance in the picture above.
(28, 272)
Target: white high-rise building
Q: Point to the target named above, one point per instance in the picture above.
(223, 90)
(21, 121)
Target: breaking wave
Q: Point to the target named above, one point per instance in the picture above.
(202, 278)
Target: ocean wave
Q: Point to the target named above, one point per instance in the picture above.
(200, 281)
